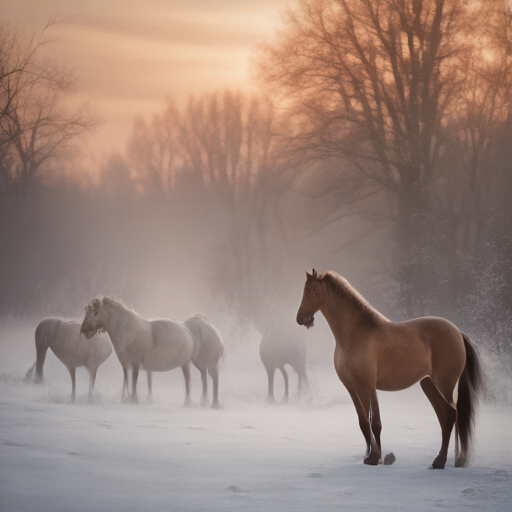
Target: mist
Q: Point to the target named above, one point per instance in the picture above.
(382, 158)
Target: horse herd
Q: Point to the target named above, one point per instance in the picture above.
(157, 346)
(371, 353)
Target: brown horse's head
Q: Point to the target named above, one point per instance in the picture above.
(94, 320)
(311, 300)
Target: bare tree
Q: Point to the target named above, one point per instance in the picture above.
(36, 128)
(155, 150)
(229, 141)
(375, 82)
(472, 181)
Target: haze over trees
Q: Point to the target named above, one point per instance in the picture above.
(379, 146)
(411, 98)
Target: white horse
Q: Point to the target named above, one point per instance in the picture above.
(157, 345)
(280, 345)
(63, 337)
(207, 358)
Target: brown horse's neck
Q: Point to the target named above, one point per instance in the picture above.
(347, 313)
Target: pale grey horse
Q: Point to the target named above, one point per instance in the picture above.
(157, 345)
(208, 356)
(63, 338)
(282, 344)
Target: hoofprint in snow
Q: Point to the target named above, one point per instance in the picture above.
(247, 456)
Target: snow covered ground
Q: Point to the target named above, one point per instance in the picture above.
(159, 456)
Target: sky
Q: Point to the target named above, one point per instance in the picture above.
(131, 54)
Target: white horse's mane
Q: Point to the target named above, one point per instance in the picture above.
(105, 299)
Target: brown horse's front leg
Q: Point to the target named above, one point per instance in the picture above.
(375, 422)
(361, 399)
(446, 414)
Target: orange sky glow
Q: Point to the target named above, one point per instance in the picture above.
(130, 55)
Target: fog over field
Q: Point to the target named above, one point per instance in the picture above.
(250, 455)
(183, 158)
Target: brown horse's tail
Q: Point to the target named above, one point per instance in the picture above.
(471, 385)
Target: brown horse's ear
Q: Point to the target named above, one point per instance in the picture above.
(314, 274)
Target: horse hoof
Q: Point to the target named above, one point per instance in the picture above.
(372, 459)
(389, 459)
(217, 406)
(459, 462)
(438, 463)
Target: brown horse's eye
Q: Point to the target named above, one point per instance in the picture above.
(95, 312)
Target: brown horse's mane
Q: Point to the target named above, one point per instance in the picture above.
(344, 291)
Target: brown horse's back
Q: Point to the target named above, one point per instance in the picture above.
(409, 351)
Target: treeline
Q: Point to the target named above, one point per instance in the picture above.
(381, 148)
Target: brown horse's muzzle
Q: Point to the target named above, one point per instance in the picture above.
(304, 319)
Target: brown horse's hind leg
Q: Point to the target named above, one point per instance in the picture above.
(446, 414)
(457, 444)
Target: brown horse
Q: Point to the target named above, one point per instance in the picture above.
(374, 353)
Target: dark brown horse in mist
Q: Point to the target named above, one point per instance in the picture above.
(374, 353)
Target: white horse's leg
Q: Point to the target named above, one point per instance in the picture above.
(124, 392)
(72, 372)
(270, 393)
(92, 380)
(135, 376)
(214, 374)
(303, 381)
(285, 377)
(204, 380)
(186, 373)
(150, 385)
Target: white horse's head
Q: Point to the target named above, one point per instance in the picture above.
(94, 320)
